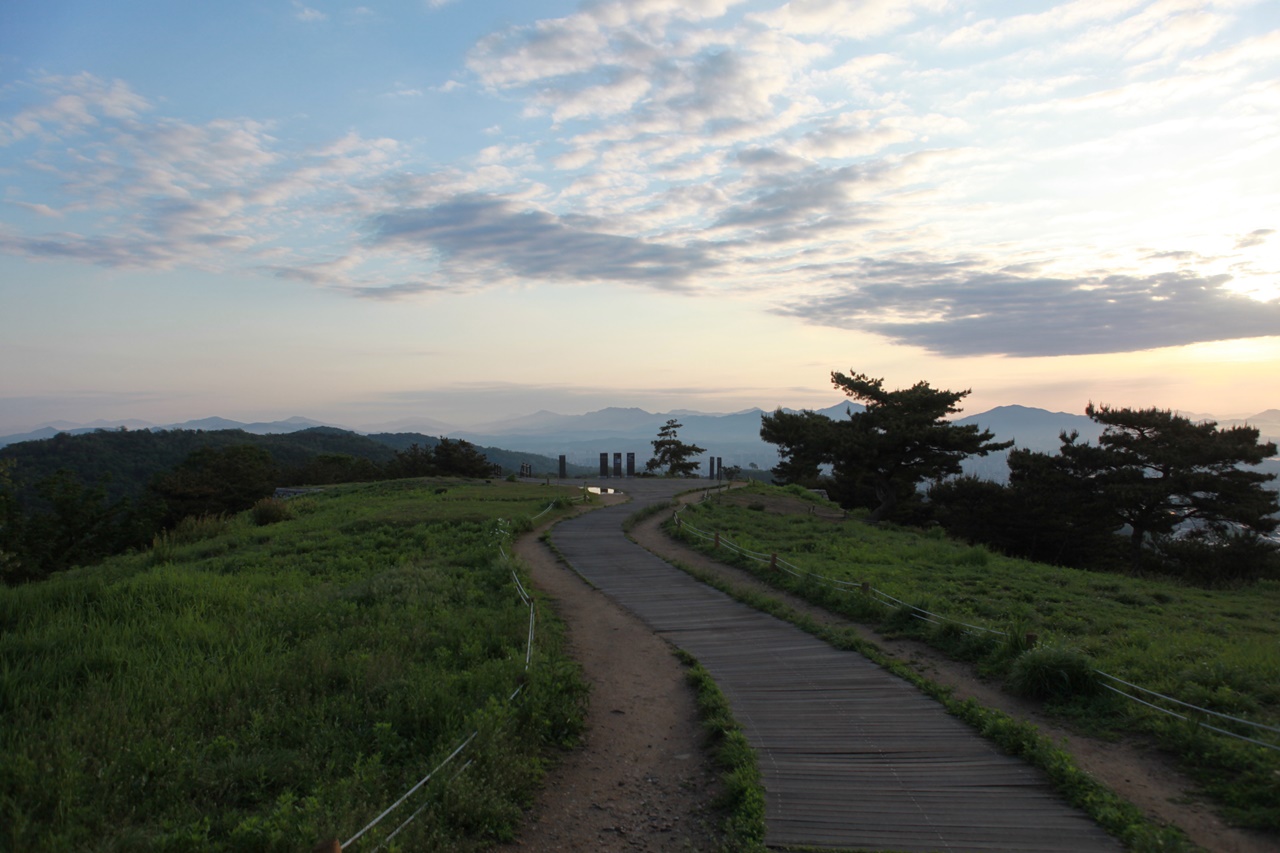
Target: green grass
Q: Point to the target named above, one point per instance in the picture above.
(743, 797)
(261, 688)
(1215, 648)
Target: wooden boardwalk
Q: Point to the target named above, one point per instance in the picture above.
(852, 756)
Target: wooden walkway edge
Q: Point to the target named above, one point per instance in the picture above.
(852, 757)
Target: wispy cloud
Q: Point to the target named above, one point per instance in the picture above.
(307, 14)
(1255, 238)
(856, 19)
(71, 106)
(171, 193)
(403, 92)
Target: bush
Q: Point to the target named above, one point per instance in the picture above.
(270, 510)
(1052, 673)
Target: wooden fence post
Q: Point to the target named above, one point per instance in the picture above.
(1031, 640)
(866, 588)
(773, 562)
(717, 538)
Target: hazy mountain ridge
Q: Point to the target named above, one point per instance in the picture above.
(734, 437)
(212, 424)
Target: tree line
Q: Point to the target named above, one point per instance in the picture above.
(1157, 492)
(73, 500)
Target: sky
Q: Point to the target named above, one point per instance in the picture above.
(469, 210)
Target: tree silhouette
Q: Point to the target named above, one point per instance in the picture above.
(805, 441)
(671, 453)
(902, 438)
(1156, 471)
(899, 440)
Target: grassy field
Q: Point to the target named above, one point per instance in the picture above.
(1219, 649)
(245, 687)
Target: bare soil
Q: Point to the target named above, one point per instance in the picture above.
(641, 780)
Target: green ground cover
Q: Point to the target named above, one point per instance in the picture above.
(1219, 649)
(245, 687)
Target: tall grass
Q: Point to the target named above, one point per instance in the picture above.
(262, 688)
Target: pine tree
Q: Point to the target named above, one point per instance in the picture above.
(1159, 471)
(671, 453)
(901, 439)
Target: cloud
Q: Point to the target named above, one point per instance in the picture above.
(149, 191)
(961, 308)
(857, 19)
(841, 140)
(392, 292)
(72, 106)
(792, 199)
(992, 31)
(1254, 238)
(307, 14)
(103, 251)
(786, 137)
(482, 230)
(112, 252)
(549, 48)
(38, 209)
(618, 95)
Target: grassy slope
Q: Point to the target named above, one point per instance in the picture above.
(260, 688)
(1219, 649)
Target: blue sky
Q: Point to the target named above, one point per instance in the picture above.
(467, 210)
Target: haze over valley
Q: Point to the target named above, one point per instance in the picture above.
(734, 437)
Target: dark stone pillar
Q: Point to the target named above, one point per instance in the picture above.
(564, 467)
(631, 464)
(617, 464)
(604, 464)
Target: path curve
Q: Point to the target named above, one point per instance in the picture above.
(851, 756)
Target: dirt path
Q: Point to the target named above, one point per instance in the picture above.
(641, 779)
(1140, 774)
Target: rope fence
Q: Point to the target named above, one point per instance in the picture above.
(503, 532)
(777, 563)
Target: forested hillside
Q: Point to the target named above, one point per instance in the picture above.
(125, 461)
(73, 499)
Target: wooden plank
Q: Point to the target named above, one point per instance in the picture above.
(851, 755)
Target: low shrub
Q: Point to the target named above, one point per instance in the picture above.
(269, 511)
(1052, 673)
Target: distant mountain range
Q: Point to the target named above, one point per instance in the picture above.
(51, 429)
(734, 437)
